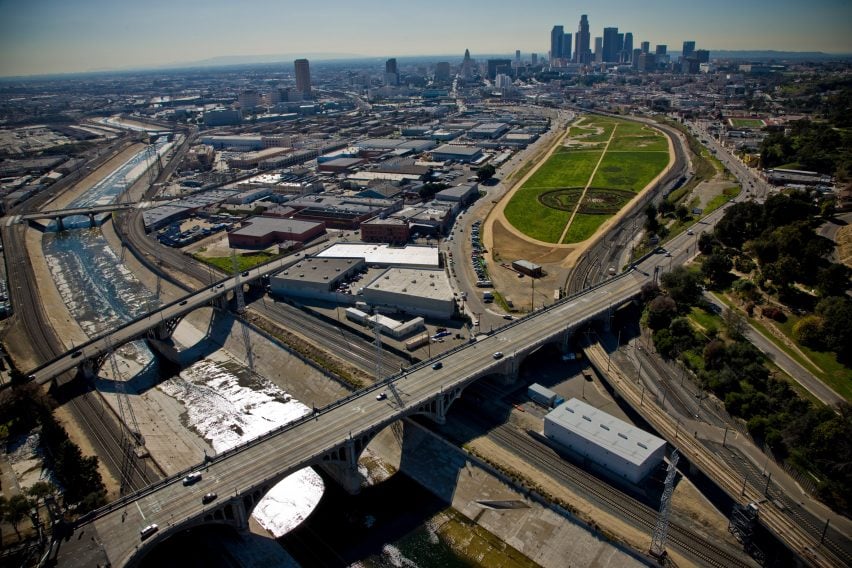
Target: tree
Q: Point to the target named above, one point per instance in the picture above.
(486, 172)
(716, 268)
(17, 509)
(683, 286)
(661, 310)
(836, 314)
(735, 324)
(833, 280)
(706, 243)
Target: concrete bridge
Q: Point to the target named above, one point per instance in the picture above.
(59, 215)
(331, 438)
(155, 326)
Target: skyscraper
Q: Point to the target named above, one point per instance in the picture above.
(303, 77)
(645, 46)
(467, 66)
(610, 45)
(391, 73)
(566, 47)
(599, 55)
(627, 49)
(688, 49)
(499, 66)
(661, 49)
(534, 59)
(442, 71)
(557, 36)
(582, 53)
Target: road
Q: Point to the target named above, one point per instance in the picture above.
(288, 449)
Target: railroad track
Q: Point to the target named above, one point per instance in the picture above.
(790, 532)
(548, 461)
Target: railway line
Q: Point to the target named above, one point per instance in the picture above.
(547, 460)
(790, 532)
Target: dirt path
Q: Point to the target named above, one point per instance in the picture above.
(588, 184)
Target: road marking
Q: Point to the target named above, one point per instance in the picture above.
(140, 510)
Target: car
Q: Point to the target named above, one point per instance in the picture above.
(76, 354)
(183, 303)
(209, 497)
(220, 286)
(668, 254)
(437, 365)
(192, 478)
(148, 531)
(381, 396)
(498, 355)
(690, 232)
(508, 317)
(246, 273)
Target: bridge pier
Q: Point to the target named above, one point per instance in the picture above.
(221, 302)
(60, 225)
(342, 466)
(92, 220)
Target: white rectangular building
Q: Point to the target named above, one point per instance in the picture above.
(621, 448)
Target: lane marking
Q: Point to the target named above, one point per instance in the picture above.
(140, 510)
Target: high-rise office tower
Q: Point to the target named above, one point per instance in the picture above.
(442, 71)
(566, 47)
(645, 46)
(610, 45)
(661, 49)
(582, 53)
(534, 59)
(702, 55)
(517, 58)
(627, 48)
(688, 49)
(499, 66)
(557, 36)
(599, 55)
(303, 77)
(391, 72)
(635, 58)
(467, 66)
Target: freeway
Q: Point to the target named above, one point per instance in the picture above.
(173, 506)
(86, 210)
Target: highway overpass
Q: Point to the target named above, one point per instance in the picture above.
(333, 437)
(157, 324)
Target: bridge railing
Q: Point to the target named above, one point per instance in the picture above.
(310, 416)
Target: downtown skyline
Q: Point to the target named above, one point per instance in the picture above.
(47, 36)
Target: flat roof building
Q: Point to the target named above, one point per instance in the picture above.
(261, 232)
(456, 152)
(316, 278)
(620, 448)
(415, 291)
(384, 255)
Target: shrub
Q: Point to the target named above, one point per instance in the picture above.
(774, 313)
(808, 331)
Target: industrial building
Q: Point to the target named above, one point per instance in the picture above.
(463, 194)
(620, 448)
(392, 231)
(316, 278)
(422, 292)
(456, 152)
(388, 326)
(383, 255)
(261, 232)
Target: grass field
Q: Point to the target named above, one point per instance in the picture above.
(747, 123)
(566, 168)
(636, 154)
(583, 227)
(630, 170)
(244, 262)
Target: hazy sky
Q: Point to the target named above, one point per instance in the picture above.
(55, 36)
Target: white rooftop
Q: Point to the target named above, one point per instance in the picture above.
(607, 431)
(384, 254)
(432, 284)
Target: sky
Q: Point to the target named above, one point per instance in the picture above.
(66, 36)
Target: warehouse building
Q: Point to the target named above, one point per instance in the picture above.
(618, 447)
(463, 194)
(384, 255)
(422, 292)
(316, 278)
(262, 231)
(391, 231)
(456, 152)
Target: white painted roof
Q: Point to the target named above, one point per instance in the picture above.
(384, 254)
(607, 431)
